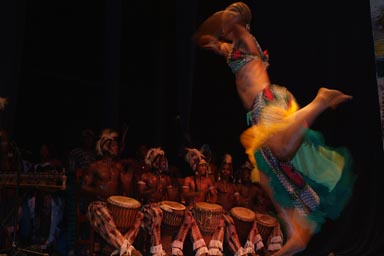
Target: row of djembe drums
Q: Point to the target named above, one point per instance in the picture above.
(207, 217)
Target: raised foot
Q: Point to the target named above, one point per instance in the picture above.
(332, 98)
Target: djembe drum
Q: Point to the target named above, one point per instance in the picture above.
(207, 216)
(265, 224)
(173, 217)
(243, 219)
(124, 210)
(173, 213)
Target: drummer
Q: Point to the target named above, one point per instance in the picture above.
(103, 179)
(154, 187)
(253, 197)
(196, 188)
(199, 187)
(227, 195)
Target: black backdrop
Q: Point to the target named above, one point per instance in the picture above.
(78, 64)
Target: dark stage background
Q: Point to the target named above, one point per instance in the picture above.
(69, 65)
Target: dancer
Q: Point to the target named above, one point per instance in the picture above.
(307, 180)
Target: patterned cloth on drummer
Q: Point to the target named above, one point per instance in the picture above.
(269, 228)
(232, 237)
(213, 221)
(244, 220)
(152, 223)
(102, 221)
(197, 238)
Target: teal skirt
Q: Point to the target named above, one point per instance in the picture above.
(328, 171)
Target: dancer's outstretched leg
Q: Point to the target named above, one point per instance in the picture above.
(284, 144)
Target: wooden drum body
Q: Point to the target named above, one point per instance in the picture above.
(173, 217)
(124, 210)
(265, 224)
(207, 216)
(173, 213)
(243, 219)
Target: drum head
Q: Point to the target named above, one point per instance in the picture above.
(209, 206)
(243, 214)
(266, 220)
(171, 206)
(124, 201)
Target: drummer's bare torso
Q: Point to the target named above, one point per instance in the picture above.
(198, 189)
(104, 176)
(226, 194)
(156, 185)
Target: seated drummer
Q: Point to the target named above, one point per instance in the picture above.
(228, 197)
(154, 187)
(254, 197)
(105, 177)
(200, 188)
(196, 188)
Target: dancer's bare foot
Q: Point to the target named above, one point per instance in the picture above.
(332, 98)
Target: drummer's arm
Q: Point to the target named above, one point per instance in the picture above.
(172, 191)
(236, 195)
(188, 192)
(143, 188)
(212, 196)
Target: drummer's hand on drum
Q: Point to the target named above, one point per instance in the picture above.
(193, 193)
(144, 189)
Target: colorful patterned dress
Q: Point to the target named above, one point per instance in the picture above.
(318, 181)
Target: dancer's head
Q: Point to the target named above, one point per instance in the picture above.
(242, 10)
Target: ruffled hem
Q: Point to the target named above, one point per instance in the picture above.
(332, 202)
